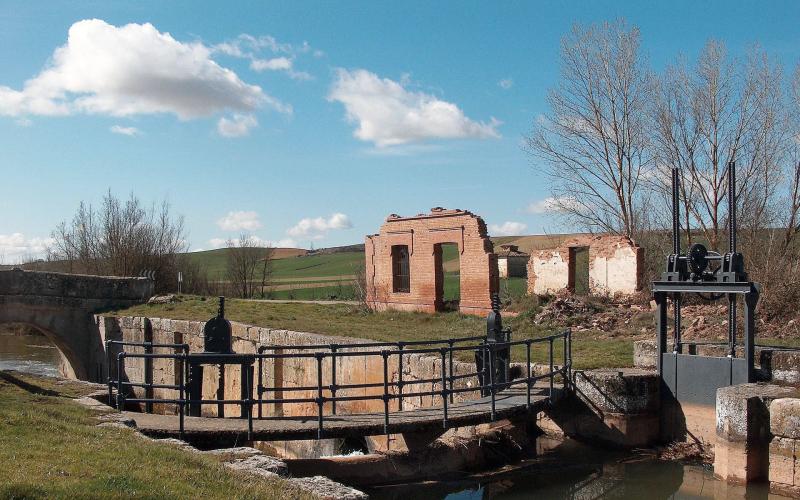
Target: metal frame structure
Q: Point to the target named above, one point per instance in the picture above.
(690, 377)
(188, 393)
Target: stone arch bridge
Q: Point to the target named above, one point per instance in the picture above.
(61, 306)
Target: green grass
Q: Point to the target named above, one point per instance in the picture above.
(590, 349)
(334, 292)
(50, 447)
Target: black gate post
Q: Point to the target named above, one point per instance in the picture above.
(195, 388)
(661, 328)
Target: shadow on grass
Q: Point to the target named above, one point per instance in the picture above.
(33, 389)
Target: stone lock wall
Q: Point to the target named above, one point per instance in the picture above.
(421, 372)
(616, 266)
(478, 273)
(784, 449)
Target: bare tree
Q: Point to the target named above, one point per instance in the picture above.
(121, 239)
(247, 265)
(594, 142)
(714, 113)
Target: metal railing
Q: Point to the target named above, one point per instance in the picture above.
(443, 385)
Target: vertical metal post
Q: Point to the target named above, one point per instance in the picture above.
(320, 400)
(221, 391)
(564, 361)
(195, 388)
(661, 328)
(551, 368)
(333, 378)
(120, 393)
(249, 382)
(676, 306)
(528, 371)
(490, 354)
(444, 385)
(108, 373)
(181, 397)
(750, 301)
(400, 376)
(243, 374)
(385, 356)
(450, 367)
(260, 394)
(148, 377)
(569, 346)
(732, 250)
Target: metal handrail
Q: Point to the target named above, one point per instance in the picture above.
(442, 385)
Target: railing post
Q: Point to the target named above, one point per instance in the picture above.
(550, 395)
(490, 353)
(450, 367)
(181, 396)
(569, 346)
(249, 382)
(320, 400)
(400, 376)
(260, 383)
(564, 364)
(108, 373)
(528, 381)
(385, 356)
(148, 377)
(120, 394)
(333, 378)
(444, 386)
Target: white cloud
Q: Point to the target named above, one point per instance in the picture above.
(277, 63)
(249, 47)
(506, 83)
(239, 125)
(507, 228)
(242, 220)
(15, 248)
(130, 131)
(318, 228)
(549, 204)
(388, 114)
(129, 70)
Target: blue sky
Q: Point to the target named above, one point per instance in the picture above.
(322, 120)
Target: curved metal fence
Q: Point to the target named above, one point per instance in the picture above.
(256, 391)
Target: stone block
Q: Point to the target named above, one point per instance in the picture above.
(644, 354)
(626, 390)
(785, 417)
(782, 460)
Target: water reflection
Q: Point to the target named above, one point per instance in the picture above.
(27, 353)
(571, 470)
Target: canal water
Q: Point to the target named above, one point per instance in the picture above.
(27, 353)
(571, 470)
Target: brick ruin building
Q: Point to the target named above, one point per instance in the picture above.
(597, 264)
(404, 265)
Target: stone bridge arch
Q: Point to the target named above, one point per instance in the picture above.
(61, 306)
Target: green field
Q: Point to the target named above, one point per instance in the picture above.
(214, 262)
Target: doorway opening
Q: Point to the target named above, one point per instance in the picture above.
(447, 262)
(579, 270)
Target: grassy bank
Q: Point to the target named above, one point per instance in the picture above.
(590, 349)
(50, 447)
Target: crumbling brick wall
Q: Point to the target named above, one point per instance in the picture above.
(421, 234)
(616, 266)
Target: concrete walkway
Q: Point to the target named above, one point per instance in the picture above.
(508, 403)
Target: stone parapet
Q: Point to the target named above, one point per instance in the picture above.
(741, 451)
(784, 467)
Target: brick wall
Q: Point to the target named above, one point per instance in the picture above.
(421, 234)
